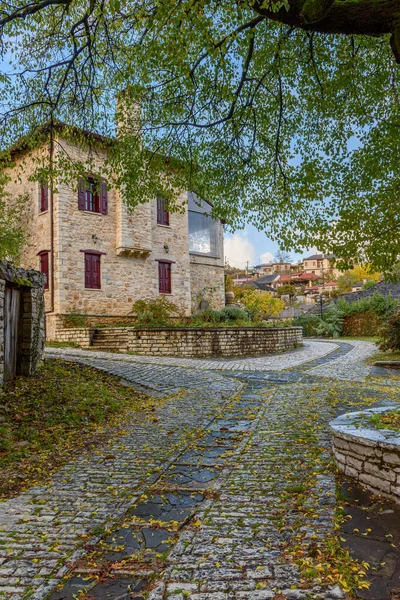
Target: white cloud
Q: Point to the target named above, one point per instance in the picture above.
(239, 250)
(266, 257)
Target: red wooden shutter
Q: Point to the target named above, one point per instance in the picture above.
(44, 197)
(164, 278)
(82, 194)
(162, 213)
(96, 271)
(159, 210)
(103, 198)
(92, 271)
(88, 270)
(44, 267)
(161, 278)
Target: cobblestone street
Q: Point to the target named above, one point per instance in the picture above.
(200, 501)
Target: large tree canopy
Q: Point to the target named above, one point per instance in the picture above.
(284, 113)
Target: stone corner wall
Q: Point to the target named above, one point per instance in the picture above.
(374, 465)
(81, 336)
(31, 321)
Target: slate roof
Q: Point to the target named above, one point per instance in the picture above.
(268, 278)
(319, 256)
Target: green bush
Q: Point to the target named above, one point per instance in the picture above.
(76, 319)
(155, 312)
(331, 325)
(206, 317)
(381, 305)
(233, 313)
(390, 333)
(309, 323)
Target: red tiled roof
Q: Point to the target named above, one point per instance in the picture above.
(286, 277)
(307, 277)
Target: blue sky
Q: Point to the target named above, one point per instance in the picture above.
(253, 246)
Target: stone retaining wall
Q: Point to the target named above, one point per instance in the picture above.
(195, 342)
(81, 336)
(370, 456)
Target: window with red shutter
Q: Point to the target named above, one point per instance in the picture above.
(162, 212)
(44, 197)
(92, 271)
(164, 277)
(93, 196)
(44, 266)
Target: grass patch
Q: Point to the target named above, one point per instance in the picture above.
(388, 355)
(62, 345)
(374, 339)
(64, 409)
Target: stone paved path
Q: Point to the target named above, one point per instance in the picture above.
(199, 501)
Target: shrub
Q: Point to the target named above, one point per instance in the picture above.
(206, 317)
(381, 305)
(76, 319)
(261, 305)
(286, 289)
(332, 323)
(156, 312)
(390, 333)
(309, 323)
(233, 313)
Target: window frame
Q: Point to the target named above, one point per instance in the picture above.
(163, 216)
(43, 197)
(214, 223)
(165, 264)
(93, 195)
(44, 258)
(93, 254)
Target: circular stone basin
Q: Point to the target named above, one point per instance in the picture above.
(367, 454)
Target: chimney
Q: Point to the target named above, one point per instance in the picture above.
(128, 113)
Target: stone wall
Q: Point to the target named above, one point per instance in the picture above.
(207, 282)
(194, 342)
(370, 456)
(23, 190)
(81, 336)
(30, 320)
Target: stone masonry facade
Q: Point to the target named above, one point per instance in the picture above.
(188, 342)
(129, 243)
(30, 318)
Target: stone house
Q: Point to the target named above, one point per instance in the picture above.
(321, 265)
(272, 267)
(99, 257)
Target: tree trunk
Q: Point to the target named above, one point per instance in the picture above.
(364, 17)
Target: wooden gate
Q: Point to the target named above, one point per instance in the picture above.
(12, 321)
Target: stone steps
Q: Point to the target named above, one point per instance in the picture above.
(111, 340)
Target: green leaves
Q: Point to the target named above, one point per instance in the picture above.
(290, 130)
